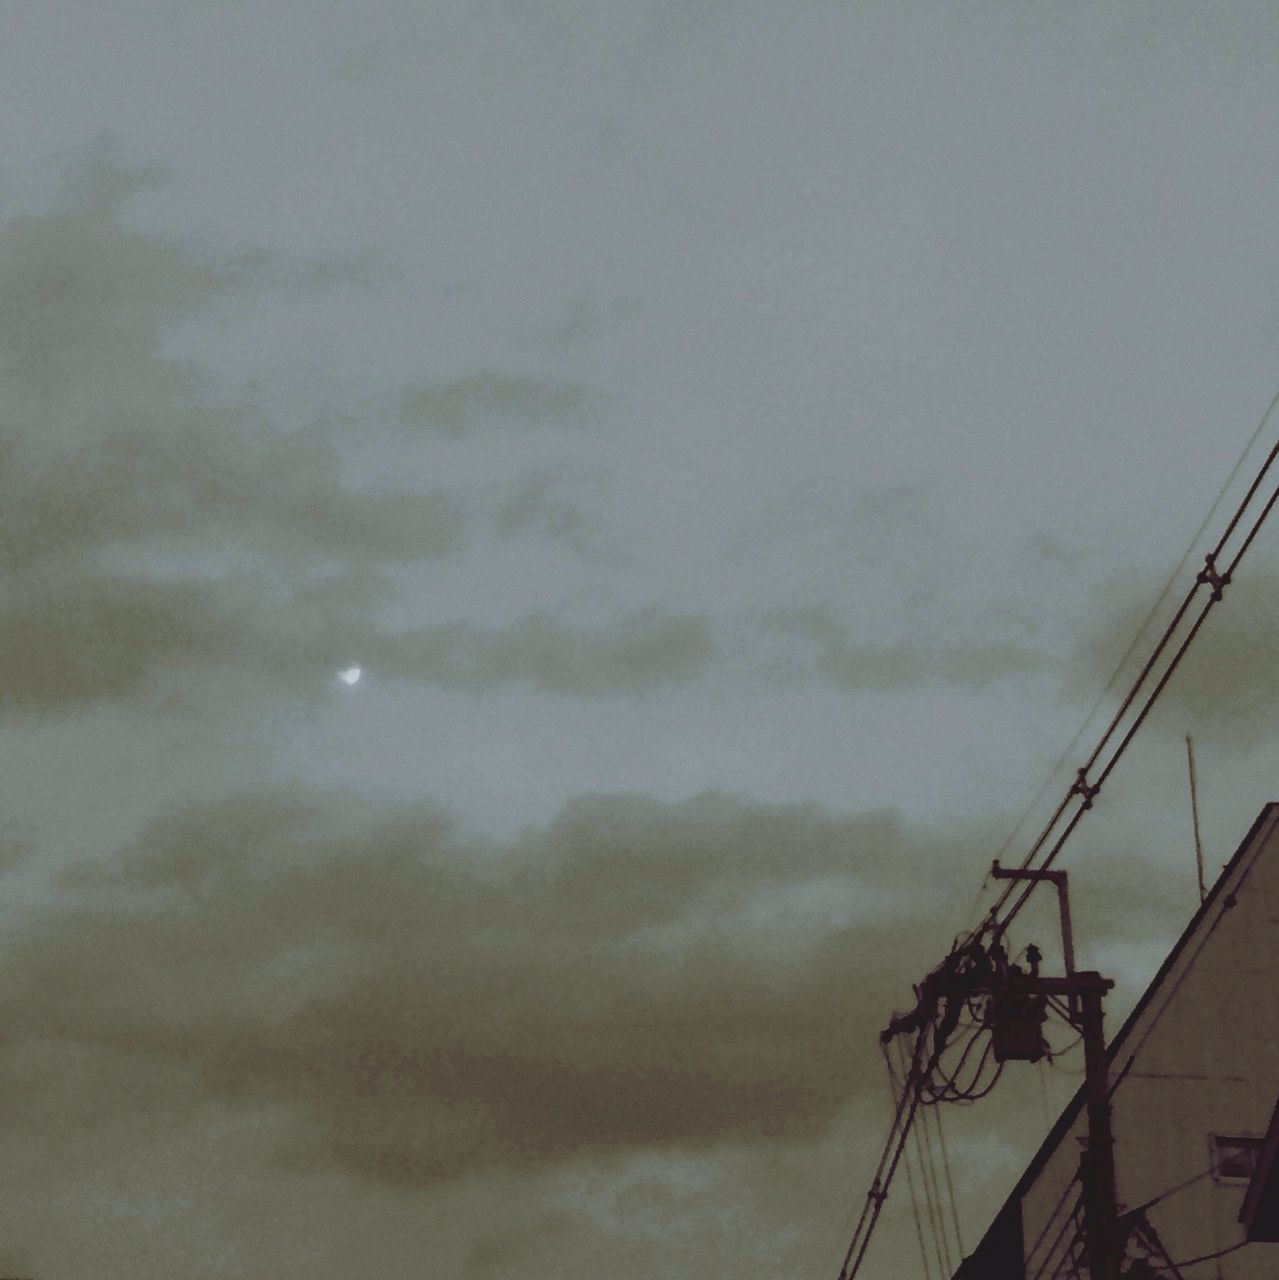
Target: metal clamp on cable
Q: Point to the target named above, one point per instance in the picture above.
(1209, 575)
(1084, 788)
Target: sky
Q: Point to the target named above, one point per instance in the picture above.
(736, 446)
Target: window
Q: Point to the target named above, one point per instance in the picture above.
(1234, 1157)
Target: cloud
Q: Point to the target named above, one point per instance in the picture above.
(212, 484)
(145, 528)
(74, 639)
(848, 664)
(491, 399)
(642, 649)
(539, 504)
(1226, 686)
(101, 640)
(634, 976)
(107, 441)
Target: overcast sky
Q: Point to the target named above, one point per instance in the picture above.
(736, 443)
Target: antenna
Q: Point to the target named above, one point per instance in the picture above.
(1194, 815)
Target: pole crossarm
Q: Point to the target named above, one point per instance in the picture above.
(1078, 984)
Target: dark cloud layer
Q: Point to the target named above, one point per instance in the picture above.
(634, 976)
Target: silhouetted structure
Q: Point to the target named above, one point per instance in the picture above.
(1195, 1073)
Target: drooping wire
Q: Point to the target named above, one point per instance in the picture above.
(950, 1182)
(932, 1198)
(930, 1202)
(948, 1090)
(1055, 1051)
(952, 1091)
(932, 1183)
(894, 1092)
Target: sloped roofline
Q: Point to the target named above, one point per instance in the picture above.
(1072, 1109)
(1262, 1198)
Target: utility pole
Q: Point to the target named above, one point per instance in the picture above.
(1084, 992)
(1014, 996)
(1100, 1211)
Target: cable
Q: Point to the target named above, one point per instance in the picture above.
(894, 1144)
(1088, 791)
(933, 1191)
(930, 1213)
(1174, 1190)
(934, 1222)
(1146, 1235)
(1084, 792)
(1071, 1219)
(1052, 1217)
(1128, 652)
(947, 1091)
(1208, 1257)
(910, 1180)
(1209, 576)
(1265, 417)
(950, 1185)
(1054, 1051)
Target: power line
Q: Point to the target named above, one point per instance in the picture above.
(1081, 795)
(933, 1190)
(1052, 1217)
(894, 1144)
(1208, 1257)
(930, 1202)
(910, 1177)
(1071, 1219)
(1132, 645)
(950, 1184)
(1085, 792)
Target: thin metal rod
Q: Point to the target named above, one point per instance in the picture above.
(1194, 814)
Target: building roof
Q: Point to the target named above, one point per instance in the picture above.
(1260, 1212)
